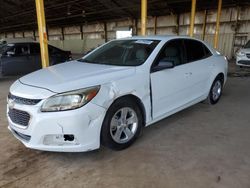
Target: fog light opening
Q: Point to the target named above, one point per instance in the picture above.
(68, 137)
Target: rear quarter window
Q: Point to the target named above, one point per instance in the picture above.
(35, 49)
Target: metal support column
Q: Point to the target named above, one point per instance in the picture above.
(143, 17)
(62, 32)
(192, 19)
(204, 25)
(236, 28)
(135, 27)
(178, 24)
(155, 25)
(105, 32)
(81, 32)
(34, 35)
(217, 29)
(42, 33)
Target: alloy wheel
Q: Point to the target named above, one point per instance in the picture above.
(124, 124)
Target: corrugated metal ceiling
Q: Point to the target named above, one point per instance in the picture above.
(21, 14)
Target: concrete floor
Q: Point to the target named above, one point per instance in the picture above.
(201, 147)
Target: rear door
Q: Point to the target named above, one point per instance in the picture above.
(55, 55)
(199, 67)
(35, 55)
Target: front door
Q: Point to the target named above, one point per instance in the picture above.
(170, 87)
(16, 60)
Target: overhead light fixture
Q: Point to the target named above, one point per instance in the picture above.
(122, 28)
(83, 13)
(68, 10)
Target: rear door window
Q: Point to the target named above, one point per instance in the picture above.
(196, 50)
(34, 49)
(20, 49)
(53, 50)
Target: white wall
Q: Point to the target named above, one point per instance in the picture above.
(93, 35)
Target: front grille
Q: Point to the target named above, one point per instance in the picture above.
(25, 101)
(248, 56)
(244, 62)
(19, 117)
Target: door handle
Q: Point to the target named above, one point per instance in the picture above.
(188, 73)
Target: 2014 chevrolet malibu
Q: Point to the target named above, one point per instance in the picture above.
(109, 95)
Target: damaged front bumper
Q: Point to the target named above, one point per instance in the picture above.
(67, 131)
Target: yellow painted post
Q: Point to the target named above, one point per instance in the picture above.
(42, 32)
(143, 17)
(217, 29)
(192, 19)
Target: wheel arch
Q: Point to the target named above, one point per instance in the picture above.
(137, 100)
(221, 76)
(213, 78)
(216, 75)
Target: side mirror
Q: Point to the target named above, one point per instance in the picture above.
(10, 53)
(164, 64)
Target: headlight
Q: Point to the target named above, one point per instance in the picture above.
(241, 53)
(69, 100)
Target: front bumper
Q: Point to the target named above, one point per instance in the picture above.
(243, 61)
(46, 130)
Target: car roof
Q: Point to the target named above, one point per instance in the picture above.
(162, 37)
(23, 43)
(13, 43)
(165, 38)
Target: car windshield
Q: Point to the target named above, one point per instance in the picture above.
(247, 44)
(122, 52)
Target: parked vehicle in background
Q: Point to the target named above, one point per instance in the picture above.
(2, 44)
(5, 41)
(243, 56)
(109, 95)
(15, 40)
(22, 58)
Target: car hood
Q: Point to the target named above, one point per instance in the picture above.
(75, 75)
(246, 50)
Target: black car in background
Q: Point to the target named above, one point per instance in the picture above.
(2, 45)
(22, 58)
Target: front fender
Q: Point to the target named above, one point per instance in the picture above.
(110, 92)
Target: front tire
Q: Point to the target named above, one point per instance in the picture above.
(215, 91)
(122, 124)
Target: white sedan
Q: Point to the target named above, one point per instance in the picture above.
(243, 56)
(109, 95)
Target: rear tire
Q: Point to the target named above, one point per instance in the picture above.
(122, 124)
